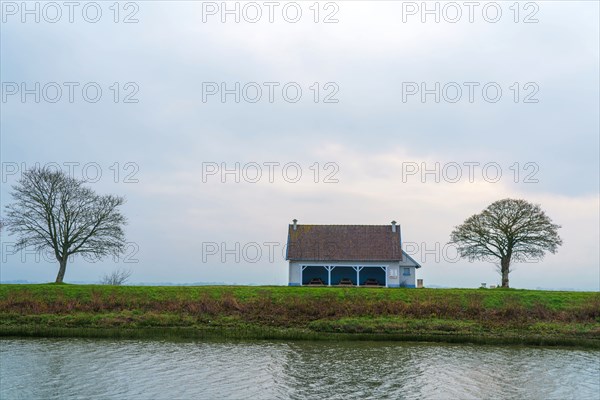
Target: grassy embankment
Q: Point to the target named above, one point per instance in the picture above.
(449, 315)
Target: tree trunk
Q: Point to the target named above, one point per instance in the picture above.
(61, 270)
(504, 267)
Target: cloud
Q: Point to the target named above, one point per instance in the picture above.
(547, 151)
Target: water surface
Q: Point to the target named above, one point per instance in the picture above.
(107, 369)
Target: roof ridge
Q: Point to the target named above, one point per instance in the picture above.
(342, 224)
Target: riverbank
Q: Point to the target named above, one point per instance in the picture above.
(490, 316)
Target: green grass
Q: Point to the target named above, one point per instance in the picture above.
(275, 312)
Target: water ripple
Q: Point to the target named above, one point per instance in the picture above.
(105, 369)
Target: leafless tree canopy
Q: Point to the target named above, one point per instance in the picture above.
(54, 211)
(508, 230)
(117, 277)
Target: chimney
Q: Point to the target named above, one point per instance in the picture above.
(394, 226)
(295, 223)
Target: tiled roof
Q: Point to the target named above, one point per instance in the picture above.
(344, 243)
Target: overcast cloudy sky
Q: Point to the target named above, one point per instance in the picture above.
(364, 99)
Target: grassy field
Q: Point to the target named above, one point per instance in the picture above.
(273, 312)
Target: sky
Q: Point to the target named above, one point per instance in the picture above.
(222, 123)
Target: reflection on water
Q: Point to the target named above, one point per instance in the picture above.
(100, 369)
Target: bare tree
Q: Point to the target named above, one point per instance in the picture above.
(508, 230)
(54, 211)
(117, 277)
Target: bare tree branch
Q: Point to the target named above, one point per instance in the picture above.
(54, 211)
(508, 230)
(117, 277)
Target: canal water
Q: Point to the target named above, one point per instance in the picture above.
(132, 369)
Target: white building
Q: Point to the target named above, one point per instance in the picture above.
(349, 255)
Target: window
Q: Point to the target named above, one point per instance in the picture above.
(406, 271)
(393, 272)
